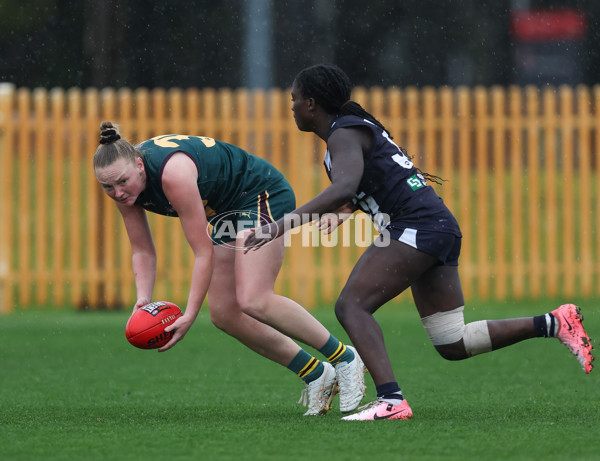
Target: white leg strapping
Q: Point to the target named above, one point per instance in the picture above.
(449, 327)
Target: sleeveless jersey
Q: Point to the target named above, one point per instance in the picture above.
(227, 175)
(391, 190)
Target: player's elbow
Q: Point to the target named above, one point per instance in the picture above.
(346, 193)
(341, 194)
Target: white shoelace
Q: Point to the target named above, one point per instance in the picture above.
(369, 405)
(304, 397)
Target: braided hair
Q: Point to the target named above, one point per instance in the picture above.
(112, 147)
(331, 89)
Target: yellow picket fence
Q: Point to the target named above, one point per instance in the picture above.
(520, 164)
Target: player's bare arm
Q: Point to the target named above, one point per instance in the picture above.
(143, 257)
(346, 150)
(179, 183)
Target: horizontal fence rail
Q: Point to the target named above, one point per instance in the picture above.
(520, 170)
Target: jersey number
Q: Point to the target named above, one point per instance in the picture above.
(167, 140)
(400, 158)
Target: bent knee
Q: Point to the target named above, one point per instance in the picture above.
(343, 310)
(220, 320)
(453, 339)
(253, 305)
(340, 311)
(452, 352)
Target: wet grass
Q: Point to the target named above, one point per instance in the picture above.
(73, 388)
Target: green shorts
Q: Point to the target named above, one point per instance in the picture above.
(253, 209)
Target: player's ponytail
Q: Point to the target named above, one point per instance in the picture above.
(109, 133)
(112, 147)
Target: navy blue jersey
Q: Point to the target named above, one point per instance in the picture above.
(391, 190)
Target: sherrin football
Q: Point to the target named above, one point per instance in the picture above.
(146, 326)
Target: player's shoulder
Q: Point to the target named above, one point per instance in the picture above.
(344, 121)
(350, 128)
(347, 123)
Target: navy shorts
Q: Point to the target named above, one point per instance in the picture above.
(441, 245)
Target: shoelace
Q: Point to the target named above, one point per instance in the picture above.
(369, 405)
(304, 397)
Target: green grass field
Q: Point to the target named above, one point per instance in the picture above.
(74, 389)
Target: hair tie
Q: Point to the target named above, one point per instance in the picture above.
(108, 136)
(347, 102)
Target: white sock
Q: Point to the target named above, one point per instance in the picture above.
(551, 325)
(395, 398)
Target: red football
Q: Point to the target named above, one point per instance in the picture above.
(146, 326)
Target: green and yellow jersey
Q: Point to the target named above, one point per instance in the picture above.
(229, 179)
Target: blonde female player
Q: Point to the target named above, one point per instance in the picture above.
(198, 179)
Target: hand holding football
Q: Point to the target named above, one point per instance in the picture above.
(146, 326)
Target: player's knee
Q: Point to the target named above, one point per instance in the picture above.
(340, 311)
(221, 321)
(453, 339)
(445, 329)
(253, 304)
(452, 352)
(256, 311)
(343, 310)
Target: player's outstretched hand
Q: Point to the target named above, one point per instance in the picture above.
(330, 221)
(181, 327)
(261, 236)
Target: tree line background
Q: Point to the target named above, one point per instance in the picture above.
(205, 43)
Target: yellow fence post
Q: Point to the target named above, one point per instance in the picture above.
(92, 198)
(482, 212)
(40, 204)
(552, 265)
(567, 161)
(75, 274)
(57, 210)
(516, 130)
(533, 127)
(7, 94)
(465, 130)
(500, 227)
(22, 202)
(126, 280)
(586, 265)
